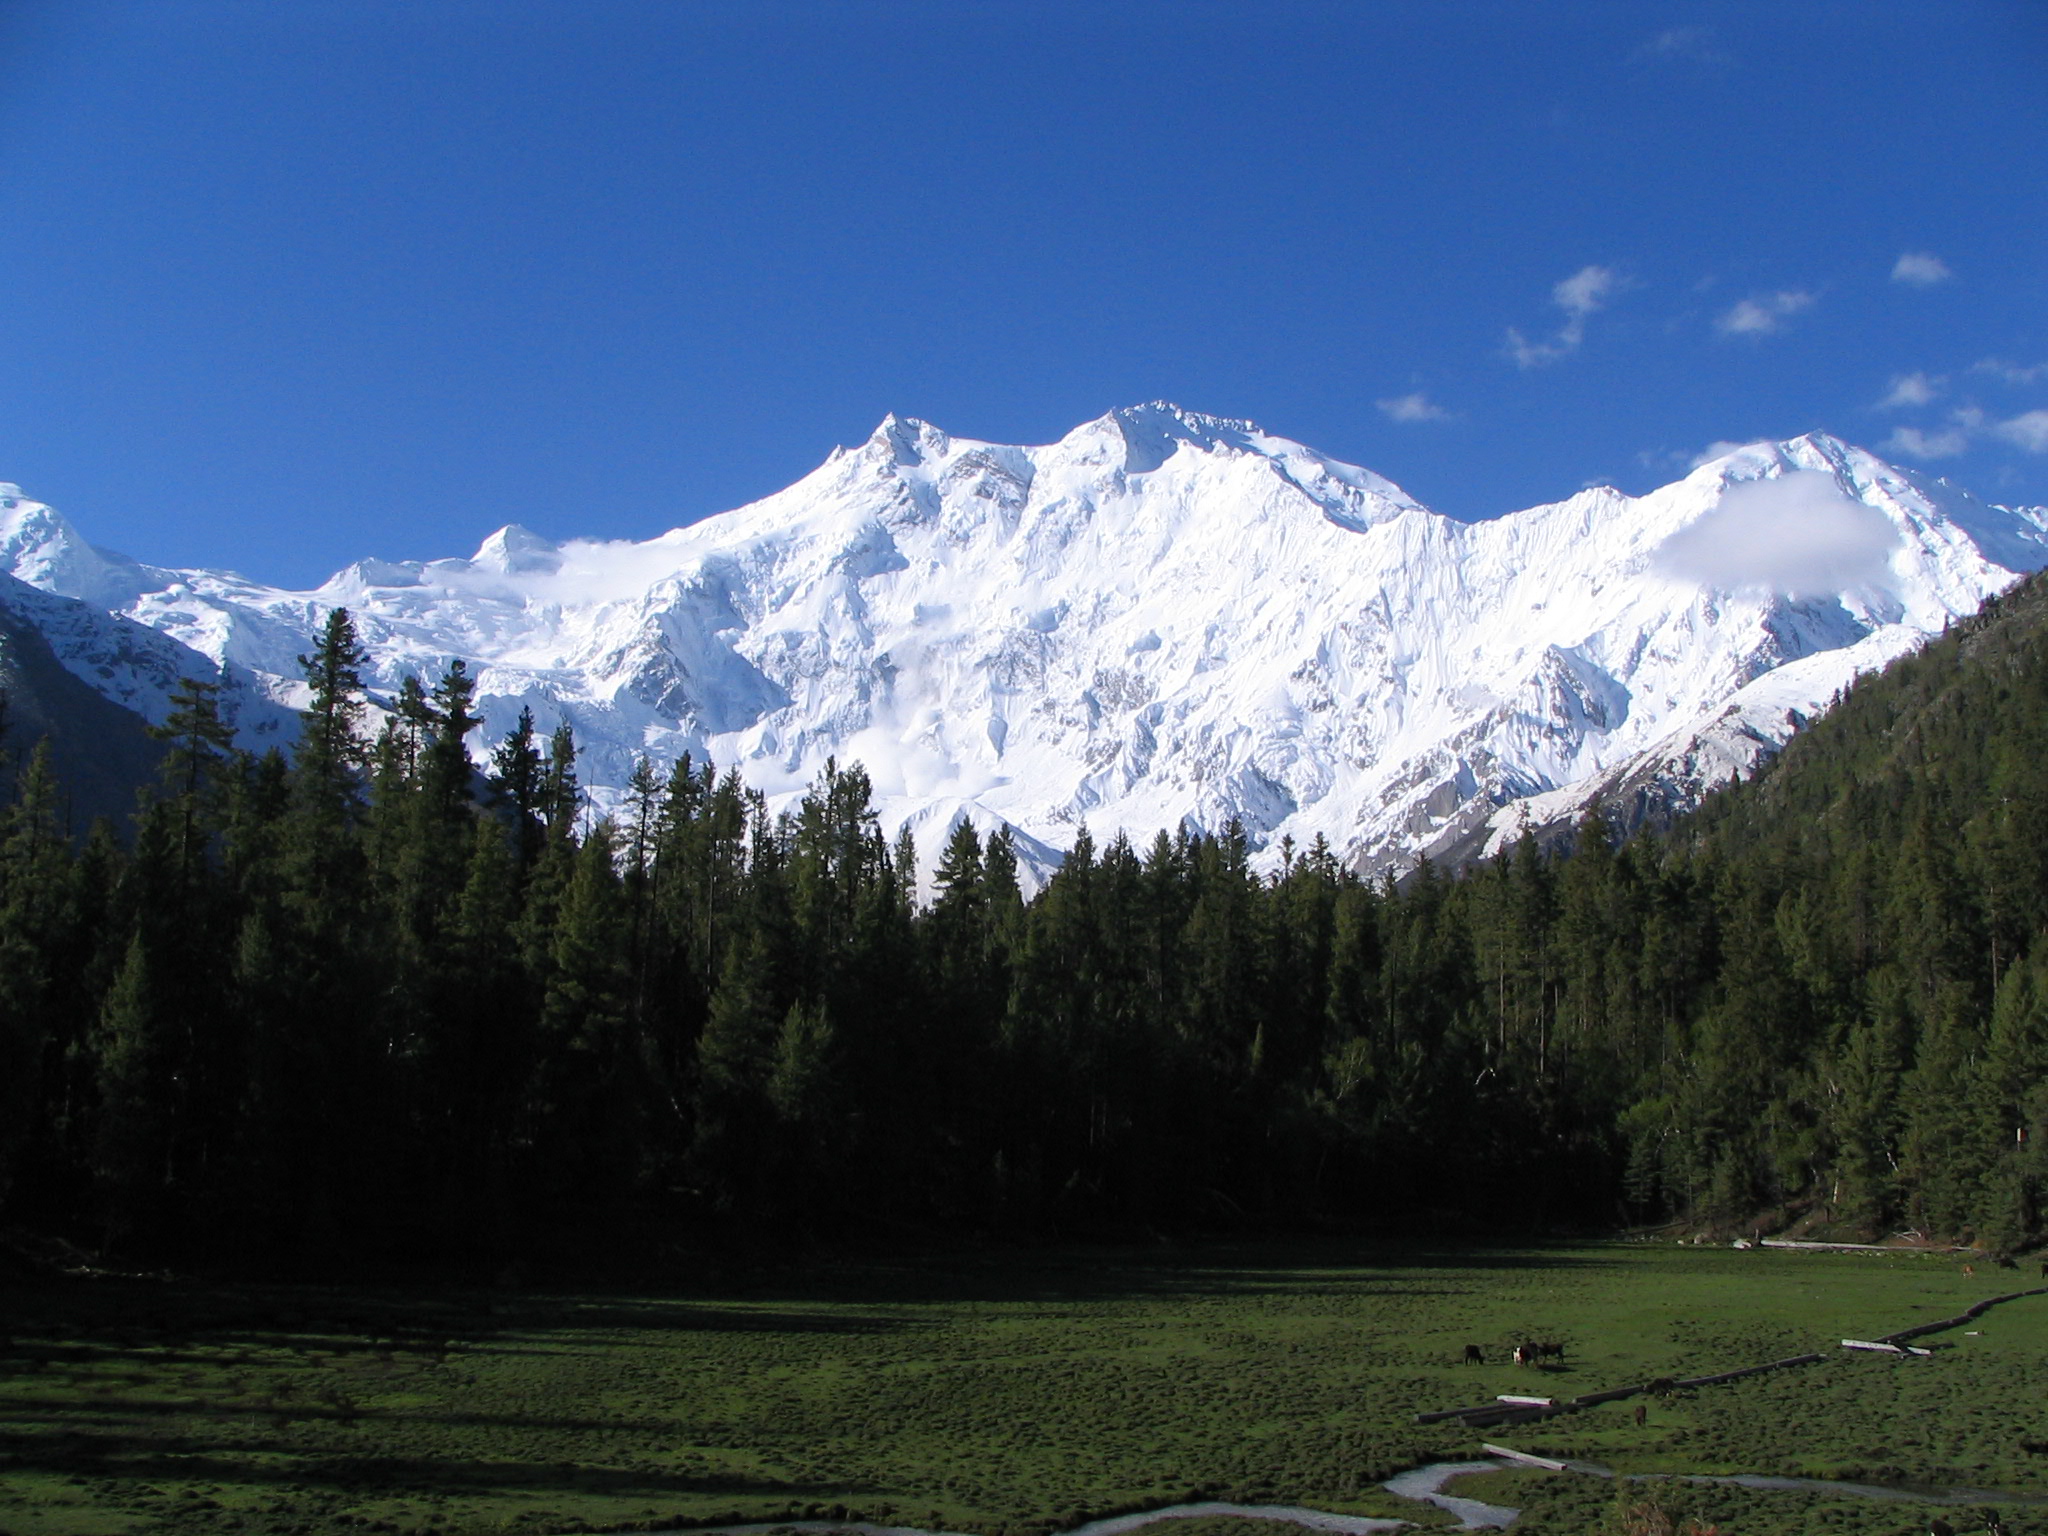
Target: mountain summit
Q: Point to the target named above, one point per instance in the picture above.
(1163, 617)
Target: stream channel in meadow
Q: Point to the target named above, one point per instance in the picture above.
(1424, 1484)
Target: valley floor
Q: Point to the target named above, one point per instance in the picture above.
(1005, 1392)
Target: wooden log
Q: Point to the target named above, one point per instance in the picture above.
(1885, 1346)
(1611, 1395)
(1787, 1242)
(1747, 1370)
(1527, 1460)
(1969, 1315)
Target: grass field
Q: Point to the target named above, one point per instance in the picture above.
(1013, 1392)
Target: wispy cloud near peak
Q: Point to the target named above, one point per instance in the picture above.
(1415, 407)
(2028, 431)
(1761, 314)
(1715, 450)
(1695, 44)
(1796, 534)
(1916, 444)
(1920, 269)
(1909, 389)
(2011, 372)
(1584, 293)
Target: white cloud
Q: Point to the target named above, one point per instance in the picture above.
(1534, 354)
(2029, 431)
(1763, 313)
(1694, 43)
(1911, 389)
(1715, 450)
(2012, 373)
(1922, 269)
(1796, 534)
(1916, 444)
(1584, 293)
(1415, 407)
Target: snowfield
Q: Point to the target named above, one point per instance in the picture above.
(1162, 618)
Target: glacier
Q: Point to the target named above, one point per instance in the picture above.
(1163, 619)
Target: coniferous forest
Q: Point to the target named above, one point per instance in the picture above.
(373, 1002)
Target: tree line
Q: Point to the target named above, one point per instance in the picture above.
(374, 1000)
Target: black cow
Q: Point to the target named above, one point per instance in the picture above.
(1474, 1355)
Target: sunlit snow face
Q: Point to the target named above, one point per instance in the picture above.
(1796, 534)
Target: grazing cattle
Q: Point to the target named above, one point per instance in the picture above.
(1969, 1271)
(2005, 1263)
(1550, 1351)
(1474, 1355)
(1525, 1354)
(1642, 1413)
(1940, 1527)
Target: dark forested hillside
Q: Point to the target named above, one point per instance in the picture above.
(365, 1003)
(99, 751)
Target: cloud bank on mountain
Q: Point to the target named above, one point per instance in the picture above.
(1797, 535)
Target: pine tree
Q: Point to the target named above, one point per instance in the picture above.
(517, 783)
(561, 798)
(735, 1059)
(132, 1155)
(196, 764)
(37, 923)
(330, 749)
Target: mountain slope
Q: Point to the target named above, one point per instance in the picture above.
(1162, 617)
(101, 753)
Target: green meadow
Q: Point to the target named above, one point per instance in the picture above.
(1006, 1392)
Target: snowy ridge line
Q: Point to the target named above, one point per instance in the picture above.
(1163, 620)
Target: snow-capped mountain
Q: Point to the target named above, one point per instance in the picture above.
(1163, 617)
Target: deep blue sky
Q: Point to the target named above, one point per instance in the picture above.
(286, 284)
